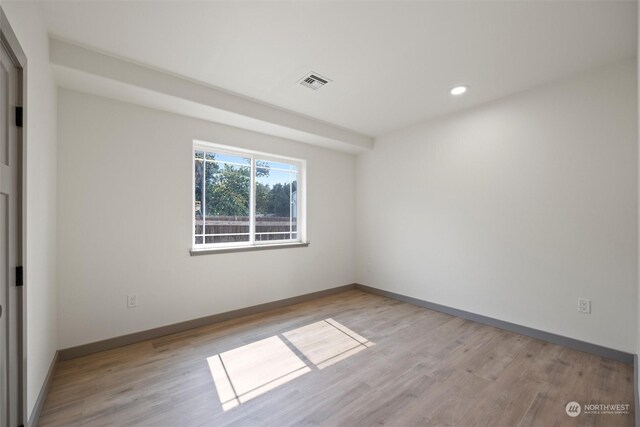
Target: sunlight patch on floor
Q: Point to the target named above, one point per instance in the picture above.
(253, 369)
(248, 371)
(327, 342)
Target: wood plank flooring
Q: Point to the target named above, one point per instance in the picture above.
(420, 368)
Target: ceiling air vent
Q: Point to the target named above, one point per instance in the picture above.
(313, 81)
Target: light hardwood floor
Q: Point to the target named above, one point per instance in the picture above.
(405, 366)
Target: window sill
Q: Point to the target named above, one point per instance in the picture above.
(225, 250)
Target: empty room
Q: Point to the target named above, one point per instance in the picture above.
(319, 213)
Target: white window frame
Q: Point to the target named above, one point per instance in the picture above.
(301, 223)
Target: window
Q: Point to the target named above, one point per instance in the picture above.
(244, 198)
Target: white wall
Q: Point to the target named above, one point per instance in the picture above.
(40, 287)
(514, 209)
(125, 223)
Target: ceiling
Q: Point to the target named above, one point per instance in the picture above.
(392, 63)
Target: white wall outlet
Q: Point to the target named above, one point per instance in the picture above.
(369, 267)
(132, 300)
(584, 305)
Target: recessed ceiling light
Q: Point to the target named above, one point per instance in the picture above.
(458, 90)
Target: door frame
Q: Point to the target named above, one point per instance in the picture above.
(12, 45)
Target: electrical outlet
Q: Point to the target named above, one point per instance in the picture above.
(132, 300)
(584, 306)
(369, 267)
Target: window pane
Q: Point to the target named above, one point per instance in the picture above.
(227, 238)
(223, 193)
(226, 197)
(276, 165)
(229, 159)
(199, 184)
(276, 201)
